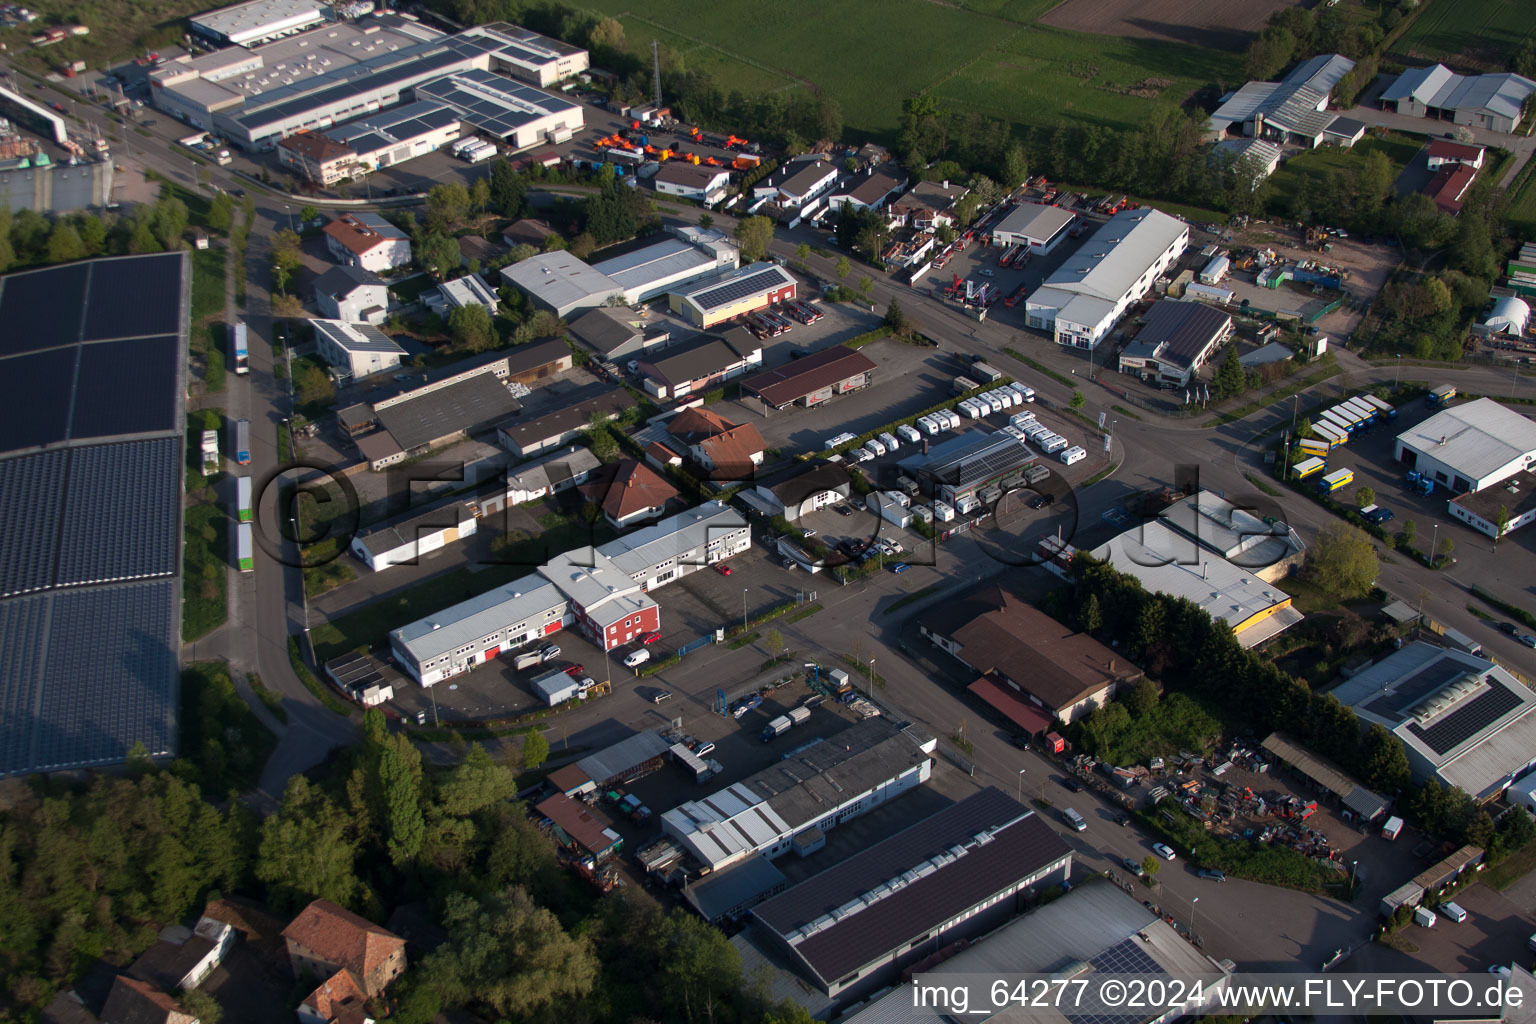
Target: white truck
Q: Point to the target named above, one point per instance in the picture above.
(1393, 828)
(210, 452)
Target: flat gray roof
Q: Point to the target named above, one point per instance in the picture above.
(407, 528)
(560, 280)
(1475, 439)
(623, 756)
(1036, 221)
(478, 401)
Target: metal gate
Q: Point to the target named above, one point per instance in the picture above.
(693, 645)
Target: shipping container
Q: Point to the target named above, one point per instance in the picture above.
(1442, 394)
(245, 547)
(243, 442)
(1336, 480)
(1380, 405)
(986, 372)
(1302, 470)
(243, 499)
(242, 352)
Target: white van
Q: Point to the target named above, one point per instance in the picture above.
(1072, 455)
(1453, 912)
(1074, 819)
(636, 658)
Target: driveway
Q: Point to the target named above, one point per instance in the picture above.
(1520, 145)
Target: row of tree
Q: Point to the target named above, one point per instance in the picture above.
(28, 238)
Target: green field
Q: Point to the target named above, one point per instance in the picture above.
(1476, 34)
(985, 55)
(1522, 202)
(1317, 163)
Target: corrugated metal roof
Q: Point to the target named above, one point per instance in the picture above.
(1108, 264)
(622, 757)
(1475, 439)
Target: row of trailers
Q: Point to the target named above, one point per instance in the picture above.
(1332, 429)
(245, 527)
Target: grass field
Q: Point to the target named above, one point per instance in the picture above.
(985, 55)
(1522, 201)
(1316, 163)
(207, 283)
(1472, 34)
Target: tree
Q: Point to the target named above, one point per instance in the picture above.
(1443, 550)
(447, 206)
(1384, 764)
(706, 221)
(202, 1005)
(308, 214)
(582, 245)
(170, 221)
(895, 319)
(286, 258)
(312, 384)
(1078, 399)
(843, 267)
(1090, 619)
(1230, 380)
(520, 252)
(1142, 700)
(475, 784)
(439, 253)
(1364, 496)
(754, 235)
(1501, 523)
(64, 243)
(509, 190)
(471, 328)
(509, 955)
(774, 642)
(480, 195)
(802, 252)
(600, 438)
(221, 212)
(306, 851)
(1343, 561)
(535, 749)
(699, 963)
(865, 284)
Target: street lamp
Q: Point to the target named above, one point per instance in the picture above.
(1021, 784)
(1192, 916)
(1295, 401)
(744, 610)
(1352, 875)
(1433, 544)
(1398, 376)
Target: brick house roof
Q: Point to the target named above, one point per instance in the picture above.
(138, 1002)
(359, 236)
(340, 937)
(315, 147)
(626, 487)
(338, 1000)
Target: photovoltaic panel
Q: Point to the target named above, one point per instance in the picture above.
(122, 387)
(1125, 957)
(129, 298)
(35, 398)
(23, 636)
(42, 309)
(123, 502)
(740, 288)
(1468, 720)
(31, 495)
(1432, 678)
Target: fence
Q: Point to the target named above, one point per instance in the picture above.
(693, 645)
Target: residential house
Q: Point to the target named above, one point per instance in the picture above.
(1444, 151)
(527, 232)
(729, 451)
(338, 1000)
(1030, 667)
(629, 492)
(352, 294)
(1449, 187)
(317, 158)
(700, 182)
(325, 939)
(356, 349)
(552, 474)
(929, 204)
(470, 290)
(871, 190)
(367, 240)
(182, 959)
(800, 489)
(797, 182)
(138, 1002)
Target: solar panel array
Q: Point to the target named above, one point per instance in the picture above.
(739, 288)
(496, 105)
(366, 77)
(1127, 956)
(1001, 454)
(1469, 719)
(90, 602)
(1432, 678)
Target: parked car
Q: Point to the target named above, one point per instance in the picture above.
(635, 659)
(1134, 866)
(722, 569)
(1072, 784)
(842, 510)
(649, 638)
(1212, 874)
(549, 651)
(1510, 628)
(575, 670)
(809, 533)
(900, 567)
(799, 353)
(1037, 502)
(1527, 639)
(704, 749)
(1164, 851)
(661, 695)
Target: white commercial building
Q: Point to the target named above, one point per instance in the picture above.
(399, 134)
(257, 22)
(1470, 447)
(551, 474)
(1495, 102)
(817, 789)
(406, 539)
(561, 283)
(735, 292)
(356, 349)
(1114, 268)
(696, 254)
(1462, 719)
(519, 115)
(702, 182)
(1169, 562)
(604, 590)
(1040, 227)
(525, 54)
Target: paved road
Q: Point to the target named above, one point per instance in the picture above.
(1520, 145)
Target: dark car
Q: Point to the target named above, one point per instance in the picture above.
(1037, 502)
(1072, 784)
(842, 510)
(1134, 866)
(799, 353)
(1510, 628)
(1212, 874)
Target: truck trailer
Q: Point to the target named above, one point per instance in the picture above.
(243, 442)
(243, 499)
(245, 547)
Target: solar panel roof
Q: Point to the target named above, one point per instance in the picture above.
(738, 288)
(1125, 957)
(120, 387)
(42, 309)
(31, 495)
(1432, 678)
(1469, 719)
(129, 298)
(35, 398)
(124, 510)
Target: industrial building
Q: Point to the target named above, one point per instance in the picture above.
(553, 474)
(318, 158)
(699, 182)
(602, 590)
(1042, 228)
(92, 439)
(1177, 339)
(800, 489)
(1293, 110)
(367, 241)
(619, 334)
(394, 136)
(525, 437)
(57, 188)
(356, 349)
(952, 875)
(1512, 500)
(968, 463)
(1462, 719)
(732, 294)
(1165, 561)
(1119, 263)
(814, 379)
(405, 539)
(1250, 538)
(1495, 102)
(352, 294)
(1096, 930)
(1470, 446)
(694, 254)
(1028, 666)
(728, 895)
(699, 365)
(562, 284)
(624, 761)
(469, 290)
(338, 72)
(258, 21)
(803, 796)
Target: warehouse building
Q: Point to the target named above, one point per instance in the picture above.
(805, 795)
(552, 474)
(1293, 110)
(699, 182)
(1462, 719)
(695, 254)
(518, 115)
(367, 241)
(1042, 228)
(529, 437)
(952, 875)
(700, 365)
(1117, 266)
(393, 136)
(92, 439)
(814, 379)
(1471, 446)
(624, 761)
(1249, 538)
(800, 489)
(968, 463)
(603, 591)
(257, 22)
(1029, 667)
(1512, 500)
(531, 57)
(1495, 102)
(728, 895)
(1177, 339)
(1165, 561)
(352, 294)
(1096, 930)
(405, 539)
(562, 284)
(356, 349)
(619, 335)
(733, 294)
